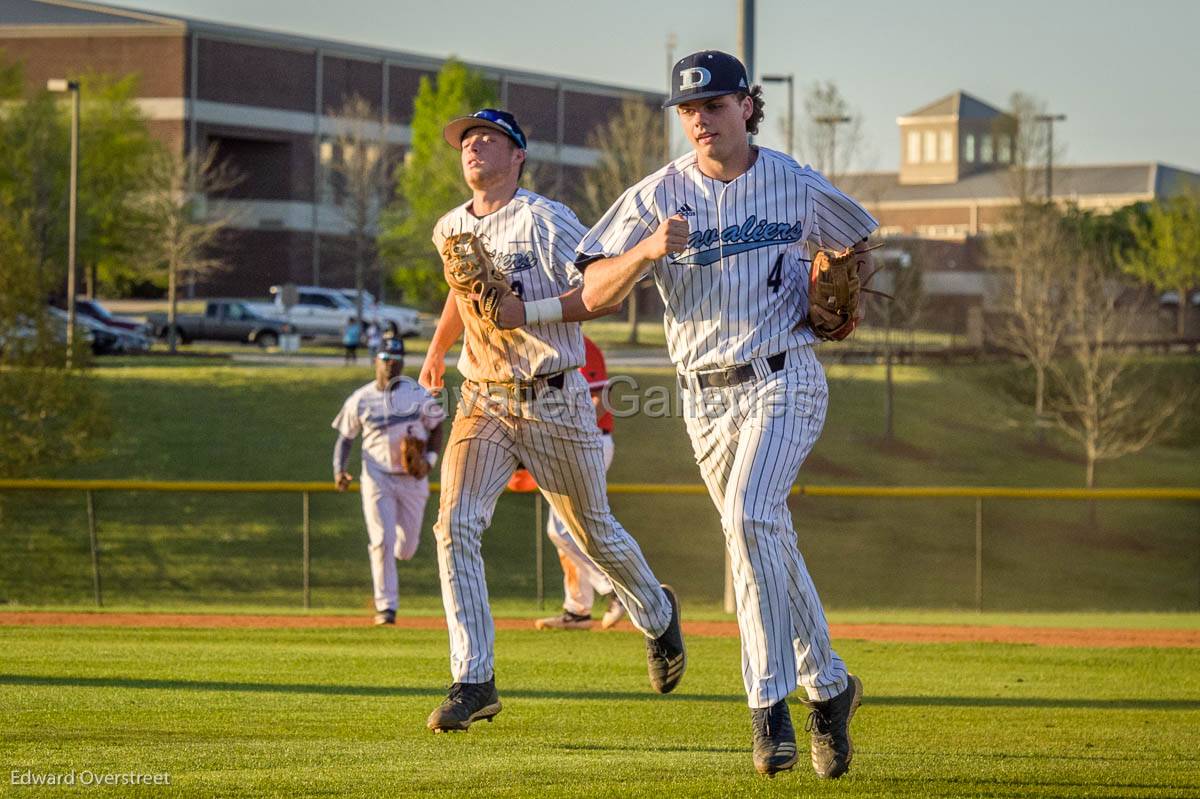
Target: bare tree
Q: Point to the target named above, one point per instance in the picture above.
(631, 146)
(1027, 142)
(831, 135)
(359, 180)
(183, 221)
(1104, 398)
(1031, 258)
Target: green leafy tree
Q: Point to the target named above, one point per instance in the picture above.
(116, 151)
(49, 415)
(1166, 249)
(429, 182)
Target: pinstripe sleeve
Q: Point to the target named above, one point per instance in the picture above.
(838, 221)
(622, 227)
(347, 422)
(564, 232)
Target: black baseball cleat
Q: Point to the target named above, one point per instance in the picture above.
(829, 723)
(385, 617)
(666, 656)
(467, 703)
(774, 738)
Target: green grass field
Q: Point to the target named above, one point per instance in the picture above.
(258, 713)
(183, 419)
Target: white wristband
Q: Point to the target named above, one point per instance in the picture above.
(431, 457)
(542, 311)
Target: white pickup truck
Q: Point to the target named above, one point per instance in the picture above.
(324, 312)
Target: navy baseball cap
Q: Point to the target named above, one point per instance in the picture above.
(392, 349)
(502, 121)
(708, 73)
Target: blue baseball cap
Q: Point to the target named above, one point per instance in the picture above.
(502, 121)
(708, 73)
(392, 349)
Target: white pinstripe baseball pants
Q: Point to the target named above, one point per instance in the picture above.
(393, 508)
(561, 448)
(581, 579)
(749, 441)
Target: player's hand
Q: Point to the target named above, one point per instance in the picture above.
(343, 480)
(433, 372)
(669, 237)
(510, 313)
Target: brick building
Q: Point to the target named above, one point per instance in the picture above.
(266, 99)
(957, 179)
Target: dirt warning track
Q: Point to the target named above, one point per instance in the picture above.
(901, 633)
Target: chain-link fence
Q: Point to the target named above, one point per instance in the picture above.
(303, 545)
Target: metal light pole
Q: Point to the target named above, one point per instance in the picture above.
(72, 86)
(789, 79)
(1050, 119)
(832, 122)
(746, 37)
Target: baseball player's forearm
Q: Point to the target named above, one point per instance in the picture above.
(449, 327)
(574, 309)
(341, 454)
(607, 282)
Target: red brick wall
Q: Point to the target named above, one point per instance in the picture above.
(344, 78)
(158, 61)
(232, 72)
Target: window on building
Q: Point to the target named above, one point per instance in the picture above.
(914, 147)
(985, 148)
(947, 147)
(969, 148)
(930, 152)
(1004, 148)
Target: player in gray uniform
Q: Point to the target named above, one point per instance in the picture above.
(386, 411)
(524, 400)
(724, 231)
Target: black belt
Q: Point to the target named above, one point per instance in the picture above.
(525, 391)
(723, 378)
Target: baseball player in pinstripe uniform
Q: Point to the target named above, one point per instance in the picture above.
(525, 401)
(385, 411)
(724, 230)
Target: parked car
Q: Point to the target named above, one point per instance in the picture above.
(324, 313)
(397, 320)
(105, 340)
(95, 310)
(1171, 299)
(223, 320)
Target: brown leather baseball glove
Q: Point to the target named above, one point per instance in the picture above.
(412, 455)
(834, 290)
(471, 273)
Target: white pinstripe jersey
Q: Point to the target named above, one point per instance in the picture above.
(738, 290)
(534, 240)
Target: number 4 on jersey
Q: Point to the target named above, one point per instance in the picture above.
(775, 276)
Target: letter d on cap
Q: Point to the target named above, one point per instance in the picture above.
(694, 78)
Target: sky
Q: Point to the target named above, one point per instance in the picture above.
(1126, 75)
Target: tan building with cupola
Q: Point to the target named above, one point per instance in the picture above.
(956, 175)
(956, 182)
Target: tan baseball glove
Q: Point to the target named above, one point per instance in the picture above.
(412, 456)
(471, 273)
(834, 290)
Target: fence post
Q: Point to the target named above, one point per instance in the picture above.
(979, 554)
(95, 547)
(307, 553)
(538, 546)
